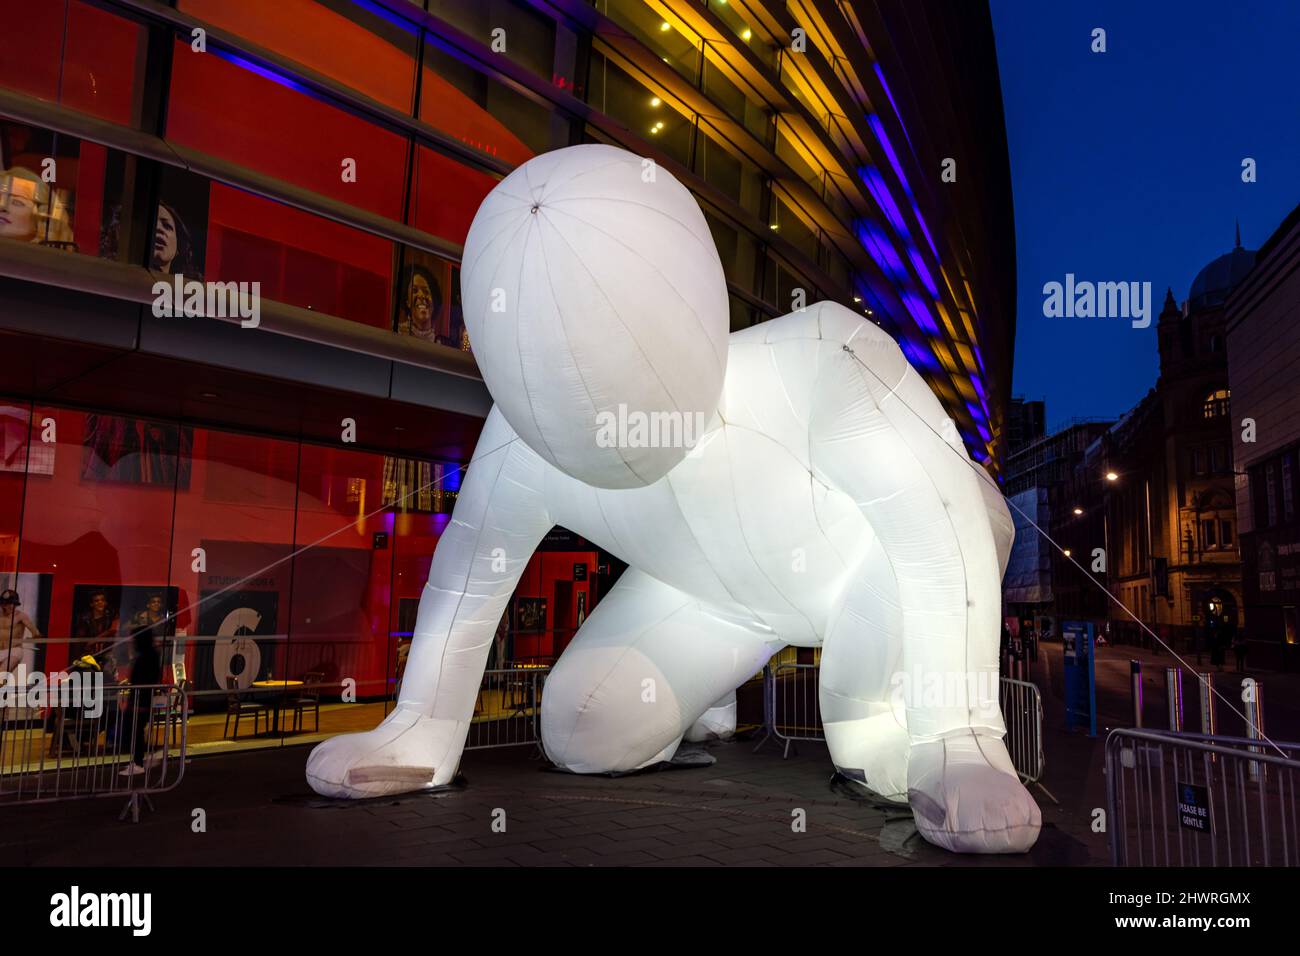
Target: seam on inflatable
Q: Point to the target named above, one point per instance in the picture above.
(468, 269)
(694, 312)
(519, 352)
(677, 503)
(632, 338)
(621, 161)
(708, 247)
(785, 392)
(740, 526)
(812, 497)
(568, 341)
(721, 360)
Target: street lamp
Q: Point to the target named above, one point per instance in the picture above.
(1112, 476)
(1078, 511)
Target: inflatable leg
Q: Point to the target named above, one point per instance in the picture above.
(878, 433)
(640, 672)
(862, 713)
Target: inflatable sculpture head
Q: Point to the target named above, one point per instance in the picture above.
(595, 303)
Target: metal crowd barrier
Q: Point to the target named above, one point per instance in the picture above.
(791, 709)
(1176, 799)
(70, 751)
(508, 710)
(1022, 710)
(791, 712)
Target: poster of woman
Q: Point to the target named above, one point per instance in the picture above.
(36, 199)
(428, 305)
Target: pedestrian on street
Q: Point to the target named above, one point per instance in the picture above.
(1239, 649)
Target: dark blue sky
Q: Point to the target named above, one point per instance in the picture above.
(1127, 166)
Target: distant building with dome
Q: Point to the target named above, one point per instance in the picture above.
(1155, 491)
(1212, 284)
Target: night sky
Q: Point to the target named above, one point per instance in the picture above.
(1126, 166)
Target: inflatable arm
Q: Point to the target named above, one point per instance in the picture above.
(879, 434)
(498, 521)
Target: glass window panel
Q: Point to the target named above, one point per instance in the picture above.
(676, 47)
(339, 623)
(86, 208)
(737, 249)
(791, 227)
(20, 452)
(98, 519)
(837, 267)
(240, 114)
(779, 284)
(300, 259)
(239, 509)
(488, 115)
(793, 157)
(345, 41)
(95, 65)
(423, 494)
(743, 31)
(445, 194)
(744, 109)
(531, 34)
(615, 93)
(734, 176)
(743, 315)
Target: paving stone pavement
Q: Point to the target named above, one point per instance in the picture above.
(738, 811)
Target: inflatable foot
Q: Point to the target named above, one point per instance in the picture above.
(406, 752)
(966, 796)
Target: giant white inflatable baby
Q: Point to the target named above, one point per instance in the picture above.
(794, 483)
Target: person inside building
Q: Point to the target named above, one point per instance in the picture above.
(146, 670)
(1239, 651)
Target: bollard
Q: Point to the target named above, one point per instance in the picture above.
(1255, 725)
(1209, 726)
(1174, 693)
(1135, 681)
